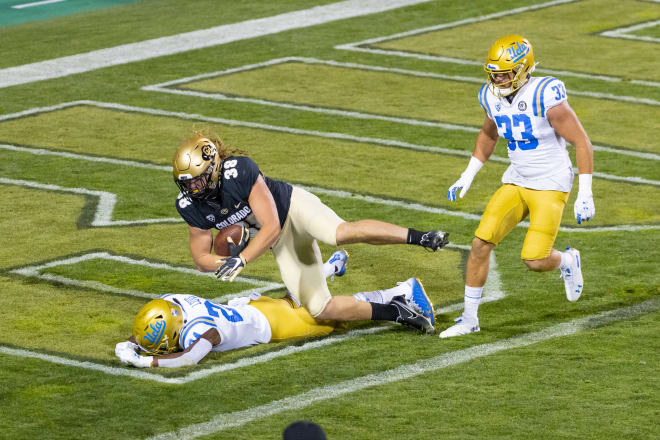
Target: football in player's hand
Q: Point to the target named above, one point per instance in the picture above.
(220, 244)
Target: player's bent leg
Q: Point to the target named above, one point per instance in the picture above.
(287, 322)
(551, 262)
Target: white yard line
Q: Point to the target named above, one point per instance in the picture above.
(492, 292)
(158, 47)
(164, 87)
(36, 271)
(30, 5)
(624, 32)
(106, 202)
(224, 421)
(358, 46)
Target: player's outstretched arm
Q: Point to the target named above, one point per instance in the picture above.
(126, 352)
(565, 122)
(484, 147)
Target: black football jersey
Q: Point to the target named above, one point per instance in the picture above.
(229, 205)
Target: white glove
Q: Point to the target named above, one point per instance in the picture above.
(126, 345)
(584, 208)
(127, 355)
(465, 181)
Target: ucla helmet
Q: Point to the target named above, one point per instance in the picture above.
(511, 53)
(157, 326)
(196, 167)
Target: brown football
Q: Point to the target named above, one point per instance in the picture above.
(220, 245)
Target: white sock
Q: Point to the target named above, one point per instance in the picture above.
(372, 297)
(328, 269)
(566, 259)
(472, 299)
(383, 296)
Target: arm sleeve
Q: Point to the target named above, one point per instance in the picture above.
(192, 357)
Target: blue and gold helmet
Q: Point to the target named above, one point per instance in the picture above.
(511, 53)
(157, 327)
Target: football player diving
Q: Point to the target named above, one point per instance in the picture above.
(218, 188)
(533, 115)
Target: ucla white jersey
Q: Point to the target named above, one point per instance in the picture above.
(538, 155)
(239, 326)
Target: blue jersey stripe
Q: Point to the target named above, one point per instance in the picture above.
(483, 99)
(535, 100)
(542, 92)
(200, 320)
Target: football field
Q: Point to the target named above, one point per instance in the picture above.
(372, 106)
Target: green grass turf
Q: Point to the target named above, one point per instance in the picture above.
(555, 45)
(595, 384)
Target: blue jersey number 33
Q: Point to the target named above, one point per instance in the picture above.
(528, 142)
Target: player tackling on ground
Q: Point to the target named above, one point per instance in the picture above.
(532, 114)
(180, 330)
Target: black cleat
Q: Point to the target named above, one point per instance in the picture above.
(435, 240)
(409, 317)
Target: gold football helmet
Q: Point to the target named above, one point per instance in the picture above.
(196, 166)
(157, 326)
(511, 53)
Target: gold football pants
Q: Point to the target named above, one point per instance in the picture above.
(510, 205)
(290, 322)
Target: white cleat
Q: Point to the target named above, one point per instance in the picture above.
(463, 326)
(572, 275)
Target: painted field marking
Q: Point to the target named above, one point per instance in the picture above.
(314, 133)
(29, 5)
(215, 36)
(625, 32)
(336, 193)
(36, 272)
(359, 46)
(106, 202)
(235, 419)
(492, 292)
(164, 87)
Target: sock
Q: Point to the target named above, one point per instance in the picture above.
(472, 299)
(566, 259)
(383, 312)
(373, 297)
(328, 269)
(414, 236)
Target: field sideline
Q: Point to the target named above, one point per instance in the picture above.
(371, 105)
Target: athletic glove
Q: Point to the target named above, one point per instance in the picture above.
(584, 208)
(236, 248)
(465, 181)
(230, 268)
(126, 354)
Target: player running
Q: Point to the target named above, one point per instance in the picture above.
(532, 114)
